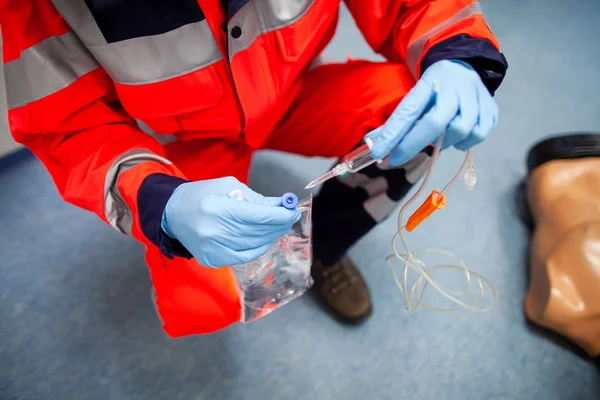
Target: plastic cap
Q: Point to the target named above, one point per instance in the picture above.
(237, 195)
(289, 201)
(435, 201)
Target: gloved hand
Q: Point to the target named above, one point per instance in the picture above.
(219, 230)
(451, 97)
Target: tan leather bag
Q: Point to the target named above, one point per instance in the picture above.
(564, 293)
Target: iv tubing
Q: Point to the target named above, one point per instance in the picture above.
(414, 296)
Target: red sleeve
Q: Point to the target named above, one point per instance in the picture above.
(62, 105)
(405, 30)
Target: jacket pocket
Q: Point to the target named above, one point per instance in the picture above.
(158, 104)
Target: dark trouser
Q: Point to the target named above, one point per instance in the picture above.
(347, 208)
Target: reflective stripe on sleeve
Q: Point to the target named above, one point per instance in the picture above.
(415, 49)
(116, 211)
(258, 17)
(46, 68)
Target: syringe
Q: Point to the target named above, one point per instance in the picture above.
(352, 162)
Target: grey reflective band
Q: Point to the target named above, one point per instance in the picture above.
(277, 14)
(46, 68)
(415, 49)
(151, 59)
(147, 59)
(258, 17)
(376, 185)
(372, 186)
(116, 211)
(81, 20)
(162, 138)
(379, 206)
(417, 167)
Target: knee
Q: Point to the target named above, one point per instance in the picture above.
(191, 299)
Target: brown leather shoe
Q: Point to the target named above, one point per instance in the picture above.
(342, 290)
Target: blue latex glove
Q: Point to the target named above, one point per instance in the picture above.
(219, 230)
(451, 97)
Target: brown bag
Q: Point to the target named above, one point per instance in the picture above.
(563, 195)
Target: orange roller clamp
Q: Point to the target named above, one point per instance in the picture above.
(435, 201)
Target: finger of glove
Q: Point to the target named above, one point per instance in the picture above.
(402, 120)
(488, 117)
(426, 130)
(465, 121)
(231, 184)
(251, 213)
(256, 198)
(244, 256)
(251, 241)
(243, 229)
(221, 256)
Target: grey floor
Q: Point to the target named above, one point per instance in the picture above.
(76, 320)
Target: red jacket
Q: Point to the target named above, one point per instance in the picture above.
(79, 76)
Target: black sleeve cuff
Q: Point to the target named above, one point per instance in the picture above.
(153, 195)
(489, 63)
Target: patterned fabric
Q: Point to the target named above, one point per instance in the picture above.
(347, 208)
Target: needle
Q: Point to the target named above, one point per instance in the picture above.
(321, 179)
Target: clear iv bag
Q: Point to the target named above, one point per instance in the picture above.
(280, 275)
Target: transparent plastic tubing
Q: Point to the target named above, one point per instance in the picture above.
(415, 294)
